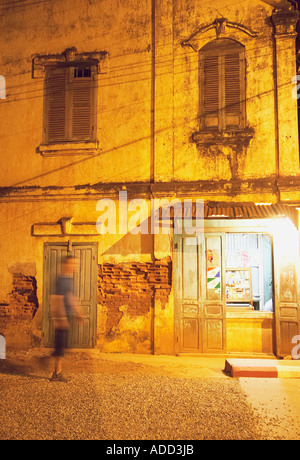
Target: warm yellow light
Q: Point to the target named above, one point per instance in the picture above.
(285, 236)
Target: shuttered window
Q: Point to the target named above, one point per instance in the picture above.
(222, 85)
(70, 105)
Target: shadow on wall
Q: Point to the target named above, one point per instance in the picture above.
(134, 242)
(2, 347)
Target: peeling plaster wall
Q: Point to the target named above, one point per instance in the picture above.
(16, 316)
(126, 293)
(130, 283)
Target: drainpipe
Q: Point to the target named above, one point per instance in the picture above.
(153, 71)
(276, 113)
(152, 159)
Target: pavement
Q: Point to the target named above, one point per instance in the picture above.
(184, 365)
(263, 368)
(217, 366)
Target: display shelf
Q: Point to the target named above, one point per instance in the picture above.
(239, 286)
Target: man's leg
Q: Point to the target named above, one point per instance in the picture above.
(58, 364)
(61, 336)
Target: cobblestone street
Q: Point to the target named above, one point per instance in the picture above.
(123, 397)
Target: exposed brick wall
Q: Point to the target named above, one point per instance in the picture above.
(133, 285)
(23, 302)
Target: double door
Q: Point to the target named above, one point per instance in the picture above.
(200, 302)
(81, 334)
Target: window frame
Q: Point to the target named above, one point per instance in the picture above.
(69, 138)
(228, 46)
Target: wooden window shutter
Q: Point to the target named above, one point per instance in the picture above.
(232, 83)
(233, 89)
(211, 90)
(82, 90)
(56, 113)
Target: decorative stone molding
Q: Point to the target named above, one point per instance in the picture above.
(68, 148)
(236, 139)
(65, 227)
(285, 22)
(220, 25)
(69, 57)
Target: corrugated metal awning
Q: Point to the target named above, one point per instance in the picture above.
(214, 210)
(225, 210)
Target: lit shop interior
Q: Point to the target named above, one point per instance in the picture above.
(249, 272)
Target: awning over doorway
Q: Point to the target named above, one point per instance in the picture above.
(231, 210)
(214, 210)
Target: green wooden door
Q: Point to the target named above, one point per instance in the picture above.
(81, 335)
(200, 305)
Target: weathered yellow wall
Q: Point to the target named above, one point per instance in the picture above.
(51, 27)
(24, 253)
(190, 162)
(125, 92)
(129, 150)
(250, 332)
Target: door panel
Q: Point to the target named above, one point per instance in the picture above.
(191, 309)
(190, 333)
(214, 302)
(81, 335)
(190, 269)
(286, 266)
(214, 334)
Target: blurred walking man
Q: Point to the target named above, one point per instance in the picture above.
(62, 305)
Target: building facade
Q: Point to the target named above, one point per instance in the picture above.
(156, 141)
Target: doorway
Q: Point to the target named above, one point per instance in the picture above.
(220, 275)
(81, 335)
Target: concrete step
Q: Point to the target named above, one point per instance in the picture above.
(262, 368)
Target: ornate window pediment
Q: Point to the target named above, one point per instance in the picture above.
(69, 57)
(220, 25)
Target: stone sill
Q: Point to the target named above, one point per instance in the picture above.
(238, 137)
(68, 148)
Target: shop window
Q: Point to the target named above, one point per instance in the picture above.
(249, 272)
(222, 85)
(70, 104)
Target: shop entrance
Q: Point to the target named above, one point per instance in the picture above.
(220, 277)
